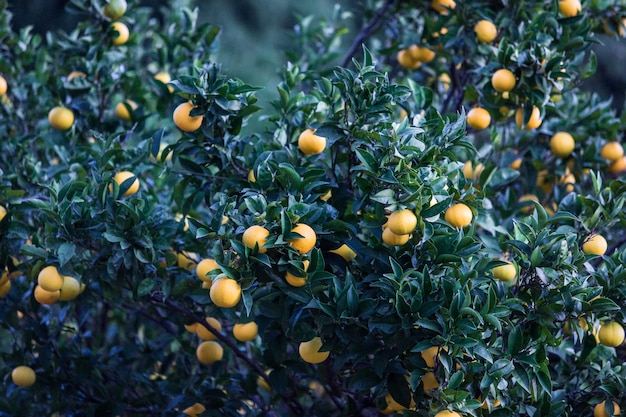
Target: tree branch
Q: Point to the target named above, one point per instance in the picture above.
(366, 31)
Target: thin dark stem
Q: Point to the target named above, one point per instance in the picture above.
(366, 32)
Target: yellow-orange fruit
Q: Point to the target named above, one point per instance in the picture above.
(183, 120)
(485, 31)
(503, 80)
(534, 121)
(478, 118)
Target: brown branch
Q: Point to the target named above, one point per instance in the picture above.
(366, 32)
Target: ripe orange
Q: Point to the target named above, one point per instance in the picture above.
(310, 351)
(307, 242)
(23, 376)
(183, 120)
(245, 332)
(612, 151)
(402, 222)
(617, 166)
(503, 80)
(595, 245)
(485, 404)
(194, 410)
(429, 382)
(121, 109)
(165, 78)
(600, 409)
(486, 31)
(562, 144)
(406, 60)
(3, 213)
(478, 118)
(392, 239)
(527, 198)
(296, 281)
(251, 177)
(534, 122)
(504, 273)
(3, 86)
(204, 267)
(443, 6)
(310, 143)
(431, 355)
(122, 33)
(49, 279)
(225, 292)
(582, 323)
(122, 176)
(516, 164)
(459, 215)
(345, 252)
(569, 8)
(209, 352)
(61, 118)
(611, 334)
(46, 297)
(204, 333)
(421, 54)
(70, 289)
(255, 235)
(75, 74)
(569, 180)
(470, 172)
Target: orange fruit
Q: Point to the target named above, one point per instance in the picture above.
(3, 86)
(534, 122)
(392, 239)
(485, 31)
(431, 355)
(209, 352)
(345, 252)
(122, 176)
(503, 80)
(612, 151)
(459, 215)
(23, 376)
(204, 267)
(204, 333)
(307, 242)
(471, 173)
(406, 60)
(402, 222)
(478, 118)
(121, 109)
(443, 6)
(569, 8)
(429, 382)
(595, 245)
(310, 143)
(61, 118)
(526, 198)
(225, 292)
(194, 410)
(245, 332)
(567, 328)
(421, 54)
(617, 166)
(122, 33)
(46, 297)
(70, 289)
(562, 144)
(75, 74)
(255, 236)
(516, 164)
(296, 281)
(600, 410)
(504, 273)
(611, 334)
(183, 120)
(569, 180)
(310, 351)
(49, 279)
(165, 78)
(3, 213)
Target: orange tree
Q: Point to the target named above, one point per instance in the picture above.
(433, 226)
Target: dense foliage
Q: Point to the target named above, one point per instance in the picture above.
(465, 245)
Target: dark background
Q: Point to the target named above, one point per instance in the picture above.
(256, 33)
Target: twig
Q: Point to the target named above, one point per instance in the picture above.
(366, 32)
